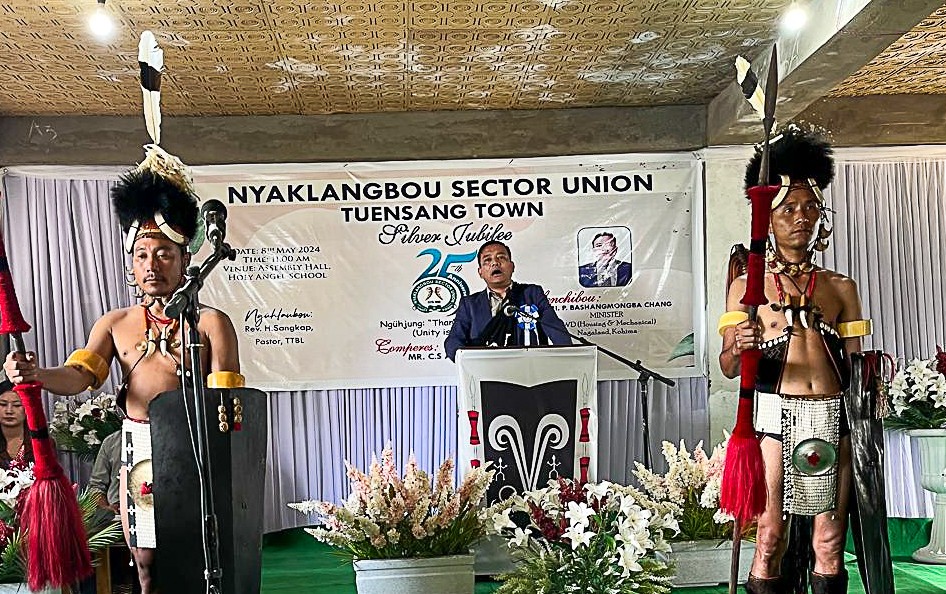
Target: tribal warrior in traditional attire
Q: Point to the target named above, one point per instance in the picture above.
(807, 332)
(157, 210)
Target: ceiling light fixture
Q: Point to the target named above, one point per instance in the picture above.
(101, 24)
(795, 18)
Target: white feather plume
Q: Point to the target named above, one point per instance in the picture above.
(754, 95)
(151, 62)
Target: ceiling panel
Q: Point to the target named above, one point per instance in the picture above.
(261, 57)
(915, 64)
(252, 57)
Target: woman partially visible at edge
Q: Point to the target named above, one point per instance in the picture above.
(17, 450)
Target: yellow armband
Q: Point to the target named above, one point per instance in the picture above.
(730, 319)
(855, 328)
(225, 379)
(90, 361)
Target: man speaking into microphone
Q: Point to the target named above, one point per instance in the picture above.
(214, 215)
(506, 313)
(158, 213)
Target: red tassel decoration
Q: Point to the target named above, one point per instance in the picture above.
(11, 319)
(57, 550)
(743, 491)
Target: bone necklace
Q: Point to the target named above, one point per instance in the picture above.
(803, 308)
(159, 335)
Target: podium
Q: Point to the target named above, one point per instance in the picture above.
(531, 411)
(237, 464)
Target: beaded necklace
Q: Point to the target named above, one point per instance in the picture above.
(777, 263)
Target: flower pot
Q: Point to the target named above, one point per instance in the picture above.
(493, 556)
(707, 562)
(24, 589)
(443, 575)
(932, 445)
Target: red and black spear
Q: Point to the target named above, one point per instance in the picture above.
(743, 490)
(57, 550)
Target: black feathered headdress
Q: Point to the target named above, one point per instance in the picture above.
(148, 202)
(797, 155)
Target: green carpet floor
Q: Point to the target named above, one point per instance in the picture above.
(293, 562)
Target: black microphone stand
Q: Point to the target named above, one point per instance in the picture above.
(645, 375)
(185, 307)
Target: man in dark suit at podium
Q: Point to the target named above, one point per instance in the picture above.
(506, 313)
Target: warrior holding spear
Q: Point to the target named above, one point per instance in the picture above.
(790, 330)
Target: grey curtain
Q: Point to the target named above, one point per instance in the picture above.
(60, 242)
(890, 231)
(312, 432)
(890, 235)
(890, 226)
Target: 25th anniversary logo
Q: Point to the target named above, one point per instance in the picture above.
(438, 288)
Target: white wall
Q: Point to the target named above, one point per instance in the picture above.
(727, 223)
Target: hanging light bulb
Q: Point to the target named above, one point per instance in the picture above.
(101, 24)
(795, 18)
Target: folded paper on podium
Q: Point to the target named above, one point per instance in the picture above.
(237, 464)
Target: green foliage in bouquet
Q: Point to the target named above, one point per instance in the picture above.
(101, 527)
(571, 537)
(918, 395)
(389, 517)
(79, 424)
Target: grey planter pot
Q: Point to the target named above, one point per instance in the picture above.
(443, 575)
(24, 589)
(932, 446)
(493, 556)
(707, 562)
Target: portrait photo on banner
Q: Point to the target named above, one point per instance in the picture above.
(604, 256)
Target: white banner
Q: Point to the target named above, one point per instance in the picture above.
(348, 275)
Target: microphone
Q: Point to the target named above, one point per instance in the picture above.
(182, 297)
(214, 214)
(524, 317)
(512, 311)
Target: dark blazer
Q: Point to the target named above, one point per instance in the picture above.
(588, 277)
(474, 314)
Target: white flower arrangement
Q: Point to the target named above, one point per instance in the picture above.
(14, 481)
(386, 516)
(80, 423)
(918, 394)
(690, 490)
(571, 537)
